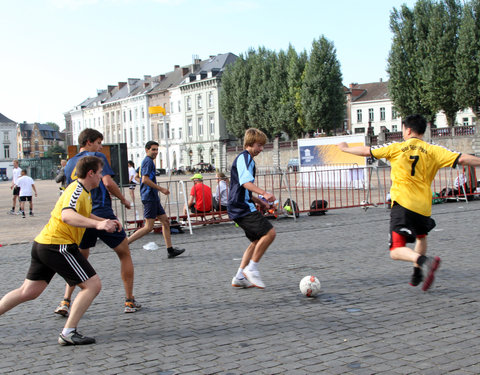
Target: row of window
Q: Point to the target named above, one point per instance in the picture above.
(188, 101)
(200, 130)
(371, 115)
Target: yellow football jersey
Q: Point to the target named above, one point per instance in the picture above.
(414, 164)
(57, 232)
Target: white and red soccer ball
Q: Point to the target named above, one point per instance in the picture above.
(310, 286)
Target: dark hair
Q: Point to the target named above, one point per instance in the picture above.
(149, 145)
(131, 163)
(86, 164)
(417, 123)
(88, 135)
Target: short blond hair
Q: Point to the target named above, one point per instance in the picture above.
(252, 136)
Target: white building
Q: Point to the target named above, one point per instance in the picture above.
(8, 146)
(370, 105)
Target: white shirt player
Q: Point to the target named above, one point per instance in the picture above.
(16, 173)
(25, 184)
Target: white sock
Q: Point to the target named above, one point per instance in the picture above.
(253, 266)
(66, 331)
(239, 274)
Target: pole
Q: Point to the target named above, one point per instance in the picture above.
(165, 135)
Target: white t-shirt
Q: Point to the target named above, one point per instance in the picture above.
(25, 184)
(16, 173)
(131, 175)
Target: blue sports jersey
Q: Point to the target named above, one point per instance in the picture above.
(240, 201)
(148, 169)
(101, 201)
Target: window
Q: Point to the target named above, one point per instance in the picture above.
(359, 115)
(180, 133)
(370, 114)
(167, 126)
(200, 126)
(359, 130)
(382, 114)
(171, 107)
(136, 113)
(199, 101)
(179, 106)
(6, 151)
(130, 112)
(394, 114)
(189, 103)
(190, 128)
(124, 116)
(143, 112)
(465, 121)
(211, 121)
(394, 128)
(5, 136)
(210, 99)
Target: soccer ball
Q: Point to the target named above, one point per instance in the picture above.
(310, 286)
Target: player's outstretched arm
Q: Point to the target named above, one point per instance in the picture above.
(113, 188)
(357, 150)
(467, 159)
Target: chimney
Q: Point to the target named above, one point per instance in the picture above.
(145, 84)
(185, 71)
(162, 77)
(147, 78)
(381, 79)
(110, 89)
(121, 85)
(175, 67)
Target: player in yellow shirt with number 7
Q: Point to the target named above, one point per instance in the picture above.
(414, 164)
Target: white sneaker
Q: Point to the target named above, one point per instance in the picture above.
(241, 283)
(254, 278)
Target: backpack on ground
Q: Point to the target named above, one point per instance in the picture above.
(293, 207)
(318, 208)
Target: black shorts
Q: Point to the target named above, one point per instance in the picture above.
(112, 240)
(255, 225)
(25, 198)
(16, 190)
(132, 186)
(409, 224)
(66, 260)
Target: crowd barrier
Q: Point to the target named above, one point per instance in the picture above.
(339, 187)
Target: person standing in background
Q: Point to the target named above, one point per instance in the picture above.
(27, 187)
(16, 173)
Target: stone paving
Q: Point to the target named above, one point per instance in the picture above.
(367, 320)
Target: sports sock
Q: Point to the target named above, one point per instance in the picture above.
(66, 331)
(252, 266)
(239, 274)
(421, 259)
(417, 271)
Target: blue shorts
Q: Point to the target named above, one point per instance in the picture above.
(152, 209)
(112, 240)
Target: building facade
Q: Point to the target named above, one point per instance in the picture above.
(8, 146)
(35, 139)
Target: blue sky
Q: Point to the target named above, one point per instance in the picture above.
(56, 53)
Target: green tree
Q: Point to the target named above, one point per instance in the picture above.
(438, 79)
(405, 63)
(56, 152)
(467, 84)
(233, 96)
(322, 95)
(53, 125)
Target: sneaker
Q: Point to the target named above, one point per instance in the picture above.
(175, 253)
(254, 278)
(31, 213)
(132, 306)
(241, 283)
(63, 308)
(75, 338)
(417, 276)
(432, 266)
(11, 212)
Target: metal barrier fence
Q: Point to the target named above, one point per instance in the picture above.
(341, 187)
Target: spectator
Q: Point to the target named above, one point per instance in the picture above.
(27, 187)
(221, 193)
(200, 200)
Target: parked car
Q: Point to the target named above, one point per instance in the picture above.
(160, 171)
(293, 165)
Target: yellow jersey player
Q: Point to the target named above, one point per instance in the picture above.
(414, 164)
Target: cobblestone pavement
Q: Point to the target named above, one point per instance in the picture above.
(367, 320)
